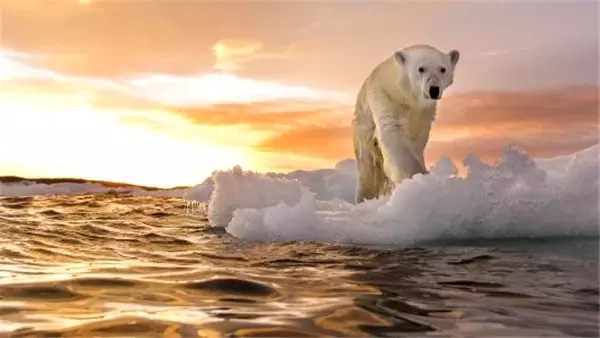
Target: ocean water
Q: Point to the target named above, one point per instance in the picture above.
(509, 249)
(109, 265)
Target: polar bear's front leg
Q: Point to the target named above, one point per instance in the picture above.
(399, 156)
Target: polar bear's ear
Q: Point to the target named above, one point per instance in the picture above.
(454, 56)
(400, 57)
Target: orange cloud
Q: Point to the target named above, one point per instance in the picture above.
(250, 125)
(232, 53)
(545, 123)
(265, 115)
(332, 143)
(548, 108)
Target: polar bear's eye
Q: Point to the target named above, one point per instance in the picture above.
(443, 70)
(421, 69)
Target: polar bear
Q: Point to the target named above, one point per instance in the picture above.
(394, 110)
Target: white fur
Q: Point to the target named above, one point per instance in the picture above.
(393, 116)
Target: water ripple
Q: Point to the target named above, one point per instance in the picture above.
(118, 265)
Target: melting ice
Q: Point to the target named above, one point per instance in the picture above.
(518, 196)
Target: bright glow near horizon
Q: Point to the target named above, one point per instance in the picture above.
(65, 135)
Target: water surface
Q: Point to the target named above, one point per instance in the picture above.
(116, 265)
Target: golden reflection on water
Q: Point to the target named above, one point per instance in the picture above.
(115, 266)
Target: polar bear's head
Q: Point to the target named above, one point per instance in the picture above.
(429, 71)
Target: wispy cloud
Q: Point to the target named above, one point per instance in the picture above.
(222, 88)
(18, 67)
(495, 52)
(263, 115)
(231, 54)
(163, 89)
(332, 142)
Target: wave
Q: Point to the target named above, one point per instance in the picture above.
(518, 196)
(326, 184)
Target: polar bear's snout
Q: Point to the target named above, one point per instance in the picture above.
(434, 92)
(433, 89)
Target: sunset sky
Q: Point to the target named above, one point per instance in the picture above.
(162, 93)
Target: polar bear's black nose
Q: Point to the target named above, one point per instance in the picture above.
(434, 92)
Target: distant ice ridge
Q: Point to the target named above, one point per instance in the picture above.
(68, 188)
(518, 196)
